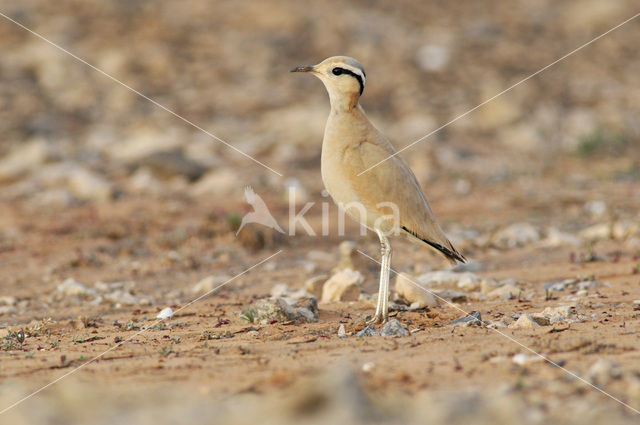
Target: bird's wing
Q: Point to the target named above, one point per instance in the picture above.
(249, 195)
(393, 181)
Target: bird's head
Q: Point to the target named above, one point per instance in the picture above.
(343, 77)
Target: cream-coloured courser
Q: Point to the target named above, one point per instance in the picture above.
(351, 145)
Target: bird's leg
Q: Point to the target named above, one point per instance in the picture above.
(382, 308)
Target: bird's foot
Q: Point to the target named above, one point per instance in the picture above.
(378, 319)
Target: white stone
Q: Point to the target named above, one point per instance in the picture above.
(342, 332)
(368, 367)
(342, 286)
(166, 313)
(414, 294)
(524, 322)
(524, 359)
(508, 291)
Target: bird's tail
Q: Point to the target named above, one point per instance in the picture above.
(448, 251)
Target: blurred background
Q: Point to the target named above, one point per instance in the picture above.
(70, 135)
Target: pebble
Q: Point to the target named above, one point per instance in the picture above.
(215, 182)
(497, 324)
(540, 319)
(469, 282)
(283, 290)
(555, 314)
(23, 158)
(514, 235)
(524, 359)
(558, 285)
(8, 300)
(342, 332)
(342, 286)
(166, 313)
(7, 309)
(394, 328)
(124, 297)
(507, 292)
(271, 310)
(470, 266)
(488, 285)
(368, 367)
(472, 319)
(87, 185)
(596, 232)
(70, 287)
(410, 291)
(208, 284)
(444, 277)
(525, 321)
(53, 198)
(368, 331)
(557, 238)
(618, 230)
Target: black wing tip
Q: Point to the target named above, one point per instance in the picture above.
(451, 254)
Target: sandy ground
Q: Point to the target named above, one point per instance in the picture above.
(112, 210)
(209, 352)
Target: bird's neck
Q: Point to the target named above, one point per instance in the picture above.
(343, 102)
(345, 126)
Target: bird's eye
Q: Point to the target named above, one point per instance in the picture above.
(337, 71)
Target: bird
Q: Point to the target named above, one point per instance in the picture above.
(364, 175)
(260, 213)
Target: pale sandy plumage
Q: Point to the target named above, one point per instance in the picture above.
(352, 145)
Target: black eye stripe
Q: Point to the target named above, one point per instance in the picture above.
(340, 71)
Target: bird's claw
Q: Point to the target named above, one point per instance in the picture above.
(378, 319)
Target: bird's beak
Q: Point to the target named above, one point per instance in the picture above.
(307, 68)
